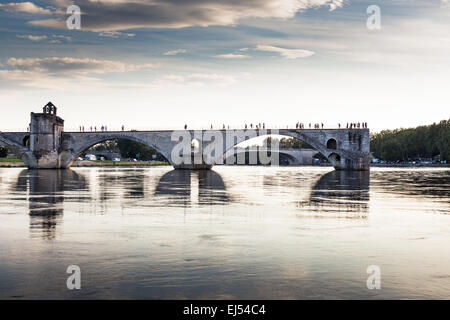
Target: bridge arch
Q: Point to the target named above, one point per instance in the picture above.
(305, 136)
(89, 143)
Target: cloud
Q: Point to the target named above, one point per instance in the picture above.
(61, 73)
(287, 53)
(174, 52)
(115, 34)
(232, 56)
(32, 38)
(194, 79)
(113, 15)
(336, 4)
(68, 66)
(67, 38)
(27, 7)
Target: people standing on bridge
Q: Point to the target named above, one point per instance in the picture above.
(245, 126)
(185, 127)
(251, 125)
(80, 128)
(123, 127)
(264, 125)
(322, 125)
(211, 126)
(339, 125)
(83, 128)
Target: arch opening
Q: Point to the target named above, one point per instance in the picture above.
(289, 142)
(120, 149)
(3, 152)
(26, 141)
(335, 157)
(332, 144)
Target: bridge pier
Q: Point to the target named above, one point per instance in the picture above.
(357, 164)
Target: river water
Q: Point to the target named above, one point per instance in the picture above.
(231, 233)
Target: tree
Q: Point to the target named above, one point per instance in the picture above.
(133, 149)
(412, 143)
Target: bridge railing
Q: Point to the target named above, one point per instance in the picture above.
(196, 127)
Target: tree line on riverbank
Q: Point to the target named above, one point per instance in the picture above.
(422, 142)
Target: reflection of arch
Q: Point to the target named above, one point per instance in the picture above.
(102, 138)
(332, 144)
(341, 191)
(177, 185)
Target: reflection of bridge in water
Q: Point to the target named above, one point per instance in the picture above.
(46, 196)
(185, 187)
(340, 191)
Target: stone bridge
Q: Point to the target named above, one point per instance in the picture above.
(47, 145)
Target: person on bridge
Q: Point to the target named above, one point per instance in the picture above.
(322, 125)
(185, 127)
(339, 125)
(264, 125)
(123, 128)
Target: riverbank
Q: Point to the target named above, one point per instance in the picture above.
(107, 163)
(17, 163)
(410, 165)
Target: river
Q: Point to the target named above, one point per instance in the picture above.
(242, 232)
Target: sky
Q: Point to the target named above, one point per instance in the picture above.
(150, 64)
